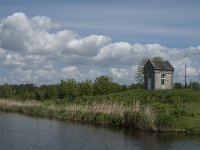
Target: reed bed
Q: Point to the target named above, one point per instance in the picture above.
(112, 114)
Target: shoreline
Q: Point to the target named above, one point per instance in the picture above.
(40, 109)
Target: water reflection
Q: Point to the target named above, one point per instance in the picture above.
(164, 141)
(20, 132)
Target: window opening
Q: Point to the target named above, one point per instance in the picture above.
(162, 79)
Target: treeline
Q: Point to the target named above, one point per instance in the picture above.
(66, 89)
(192, 85)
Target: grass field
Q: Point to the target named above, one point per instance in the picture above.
(167, 110)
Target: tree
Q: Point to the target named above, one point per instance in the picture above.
(85, 88)
(6, 91)
(178, 85)
(105, 85)
(194, 85)
(124, 87)
(39, 95)
(139, 76)
(68, 89)
(136, 86)
(50, 92)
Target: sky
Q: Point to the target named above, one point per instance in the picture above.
(44, 41)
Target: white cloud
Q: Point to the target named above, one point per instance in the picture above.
(119, 72)
(150, 50)
(92, 74)
(70, 72)
(193, 51)
(88, 46)
(114, 51)
(29, 52)
(14, 60)
(43, 22)
(73, 72)
(20, 75)
(15, 30)
(124, 75)
(46, 73)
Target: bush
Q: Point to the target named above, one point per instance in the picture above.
(137, 86)
(178, 85)
(105, 85)
(85, 88)
(68, 89)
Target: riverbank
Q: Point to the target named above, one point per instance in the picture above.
(98, 113)
(164, 111)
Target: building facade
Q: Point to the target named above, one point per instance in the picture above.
(158, 74)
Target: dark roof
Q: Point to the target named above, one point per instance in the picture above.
(162, 65)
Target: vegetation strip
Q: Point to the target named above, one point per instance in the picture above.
(172, 110)
(104, 114)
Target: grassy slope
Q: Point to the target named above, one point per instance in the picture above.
(183, 105)
(143, 109)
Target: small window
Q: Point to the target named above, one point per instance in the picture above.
(149, 76)
(162, 79)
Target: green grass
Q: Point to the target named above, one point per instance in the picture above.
(175, 109)
(190, 121)
(166, 110)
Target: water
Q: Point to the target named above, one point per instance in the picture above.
(21, 132)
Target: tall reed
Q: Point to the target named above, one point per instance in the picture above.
(115, 114)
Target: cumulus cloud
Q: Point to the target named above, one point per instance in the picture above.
(20, 75)
(70, 72)
(193, 51)
(114, 51)
(119, 72)
(73, 72)
(30, 52)
(87, 46)
(43, 22)
(15, 30)
(14, 60)
(45, 74)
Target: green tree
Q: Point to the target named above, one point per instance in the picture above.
(136, 86)
(68, 89)
(178, 85)
(50, 92)
(85, 88)
(6, 91)
(39, 95)
(105, 85)
(194, 86)
(24, 91)
(123, 88)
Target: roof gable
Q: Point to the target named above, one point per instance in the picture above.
(162, 65)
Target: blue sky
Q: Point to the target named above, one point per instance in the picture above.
(168, 28)
(173, 23)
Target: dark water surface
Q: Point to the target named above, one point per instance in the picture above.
(21, 132)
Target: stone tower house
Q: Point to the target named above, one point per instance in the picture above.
(158, 74)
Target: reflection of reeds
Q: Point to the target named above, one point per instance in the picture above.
(117, 114)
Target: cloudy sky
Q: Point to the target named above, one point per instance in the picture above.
(44, 41)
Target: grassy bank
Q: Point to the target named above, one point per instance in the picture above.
(171, 110)
(114, 114)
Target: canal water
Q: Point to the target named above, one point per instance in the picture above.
(21, 132)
